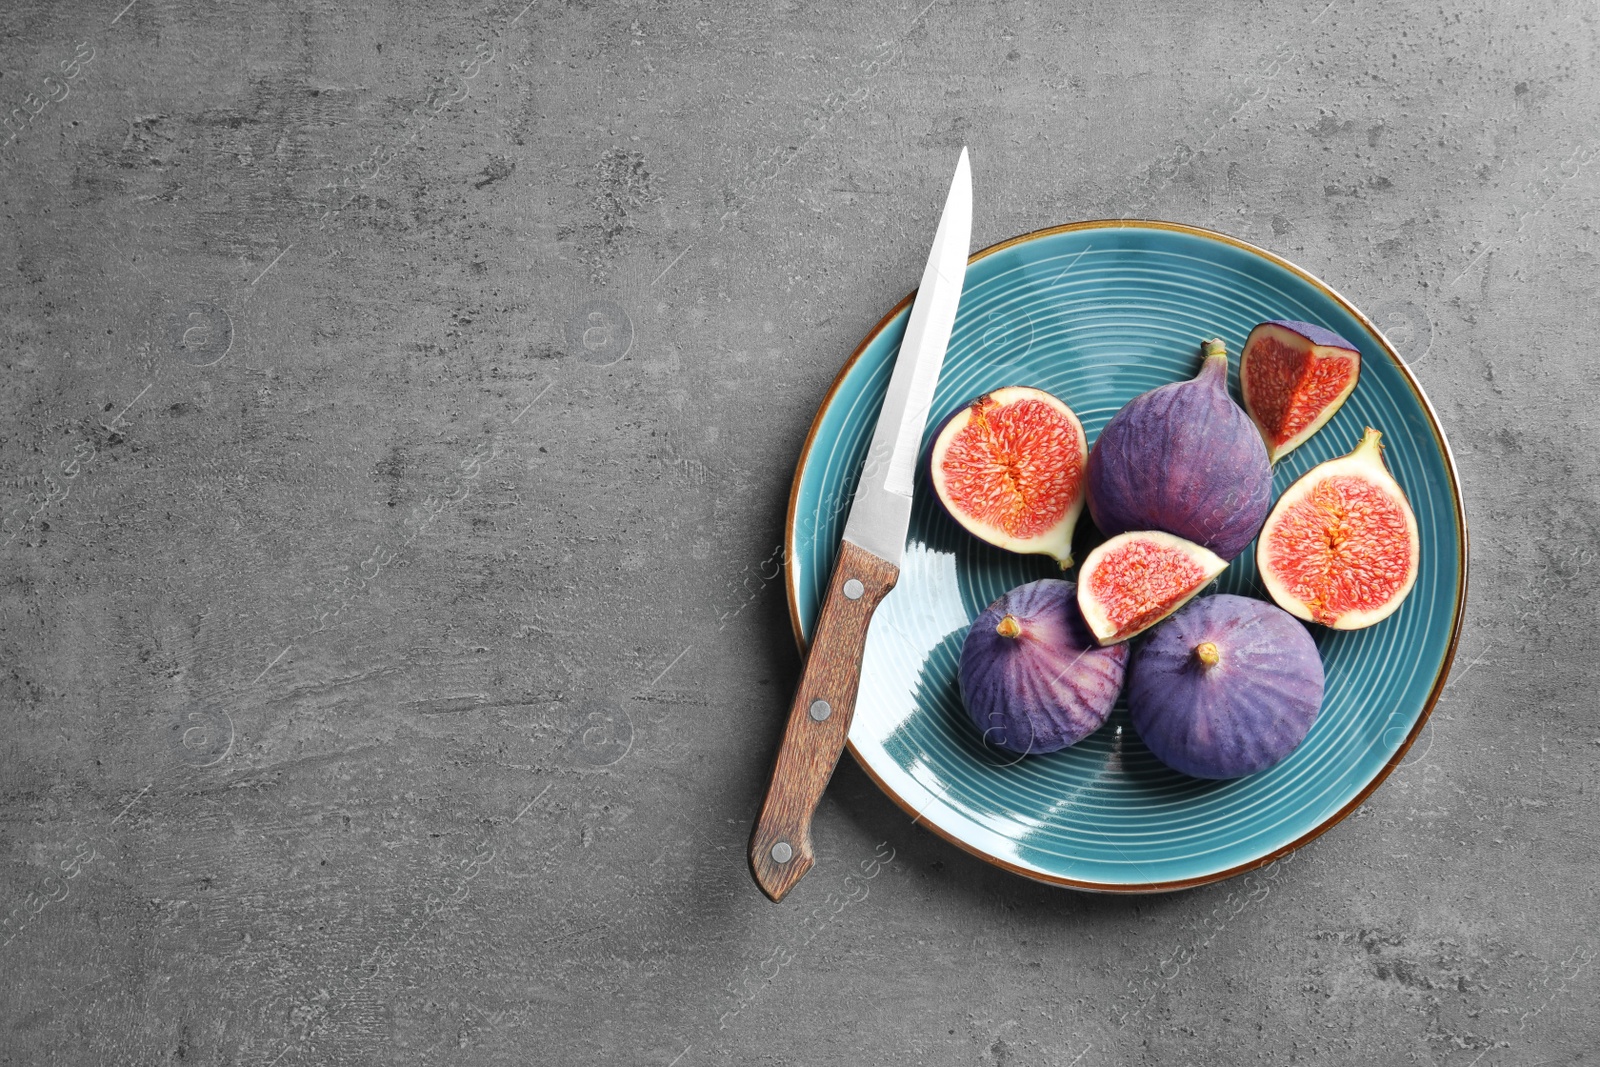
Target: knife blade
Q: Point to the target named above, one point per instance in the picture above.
(868, 563)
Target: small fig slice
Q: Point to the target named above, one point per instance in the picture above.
(1183, 458)
(1009, 467)
(1032, 677)
(1226, 687)
(1341, 546)
(1136, 579)
(1294, 376)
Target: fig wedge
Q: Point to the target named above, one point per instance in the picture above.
(1294, 376)
(1136, 579)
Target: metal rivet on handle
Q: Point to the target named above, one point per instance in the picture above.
(821, 709)
(782, 853)
(853, 588)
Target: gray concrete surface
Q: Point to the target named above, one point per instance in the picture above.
(395, 400)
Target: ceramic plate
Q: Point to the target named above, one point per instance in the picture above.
(1097, 313)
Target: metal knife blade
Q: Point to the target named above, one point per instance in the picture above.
(881, 512)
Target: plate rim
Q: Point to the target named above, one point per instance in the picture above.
(791, 580)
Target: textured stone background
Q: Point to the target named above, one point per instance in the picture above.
(395, 402)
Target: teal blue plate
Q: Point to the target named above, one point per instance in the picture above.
(1097, 313)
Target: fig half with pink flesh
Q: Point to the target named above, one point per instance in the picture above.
(1294, 376)
(1341, 546)
(1009, 468)
(1136, 579)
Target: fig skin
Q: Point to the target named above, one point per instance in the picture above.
(1317, 335)
(1033, 679)
(1228, 686)
(1184, 459)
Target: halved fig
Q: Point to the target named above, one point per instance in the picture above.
(1294, 376)
(1136, 579)
(1009, 468)
(1341, 546)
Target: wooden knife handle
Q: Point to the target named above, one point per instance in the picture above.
(819, 720)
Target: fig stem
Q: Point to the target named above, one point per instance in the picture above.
(1009, 627)
(1207, 654)
(1214, 367)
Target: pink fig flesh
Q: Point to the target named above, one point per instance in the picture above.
(1136, 579)
(1009, 468)
(1341, 546)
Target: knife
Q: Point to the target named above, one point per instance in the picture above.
(868, 565)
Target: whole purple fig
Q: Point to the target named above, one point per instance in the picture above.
(1184, 459)
(1033, 678)
(1226, 687)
